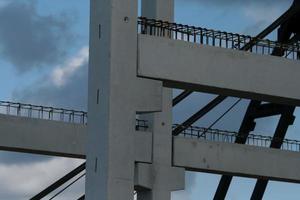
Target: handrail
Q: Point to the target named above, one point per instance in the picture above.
(214, 37)
(231, 136)
(20, 109)
(51, 113)
(42, 112)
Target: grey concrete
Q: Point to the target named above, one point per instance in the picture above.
(127, 73)
(236, 159)
(45, 137)
(160, 178)
(143, 177)
(149, 176)
(54, 138)
(112, 101)
(143, 147)
(158, 9)
(148, 95)
(227, 72)
(68, 140)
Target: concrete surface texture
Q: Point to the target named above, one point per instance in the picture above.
(186, 65)
(236, 159)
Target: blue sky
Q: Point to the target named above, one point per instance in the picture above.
(56, 74)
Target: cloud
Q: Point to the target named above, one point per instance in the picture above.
(22, 181)
(29, 40)
(62, 73)
(66, 86)
(3, 3)
(24, 175)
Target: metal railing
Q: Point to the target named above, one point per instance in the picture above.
(72, 116)
(42, 112)
(230, 137)
(214, 38)
(51, 113)
(141, 125)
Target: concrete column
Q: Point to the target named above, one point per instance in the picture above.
(163, 176)
(112, 69)
(158, 9)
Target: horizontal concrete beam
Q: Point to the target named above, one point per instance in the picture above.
(236, 159)
(45, 137)
(227, 72)
(54, 138)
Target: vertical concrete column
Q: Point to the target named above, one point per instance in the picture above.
(164, 177)
(112, 67)
(158, 9)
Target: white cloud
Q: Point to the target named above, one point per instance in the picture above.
(61, 74)
(21, 181)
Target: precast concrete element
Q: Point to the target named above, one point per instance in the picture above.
(112, 67)
(131, 74)
(148, 95)
(160, 178)
(148, 176)
(115, 96)
(143, 146)
(227, 72)
(54, 138)
(158, 9)
(236, 159)
(156, 181)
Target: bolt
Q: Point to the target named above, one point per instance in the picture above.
(126, 19)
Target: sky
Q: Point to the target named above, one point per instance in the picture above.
(44, 60)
